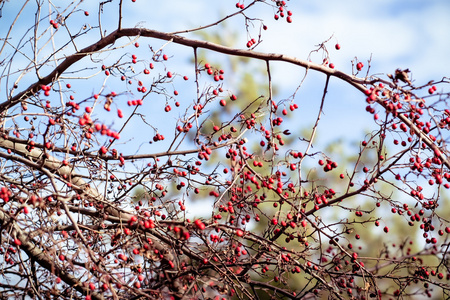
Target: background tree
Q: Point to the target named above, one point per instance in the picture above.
(110, 133)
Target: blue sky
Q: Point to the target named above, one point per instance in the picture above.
(410, 34)
(393, 34)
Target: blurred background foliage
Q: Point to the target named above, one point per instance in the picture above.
(250, 78)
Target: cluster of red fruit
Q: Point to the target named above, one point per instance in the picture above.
(359, 66)
(135, 102)
(218, 74)
(330, 165)
(54, 24)
(5, 194)
(46, 89)
(184, 128)
(104, 130)
(251, 43)
(280, 13)
(158, 137)
(432, 89)
(200, 225)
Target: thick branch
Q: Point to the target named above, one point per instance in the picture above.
(43, 259)
(36, 160)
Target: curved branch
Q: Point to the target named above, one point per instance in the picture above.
(358, 83)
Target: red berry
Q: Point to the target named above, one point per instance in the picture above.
(359, 66)
(103, 150)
